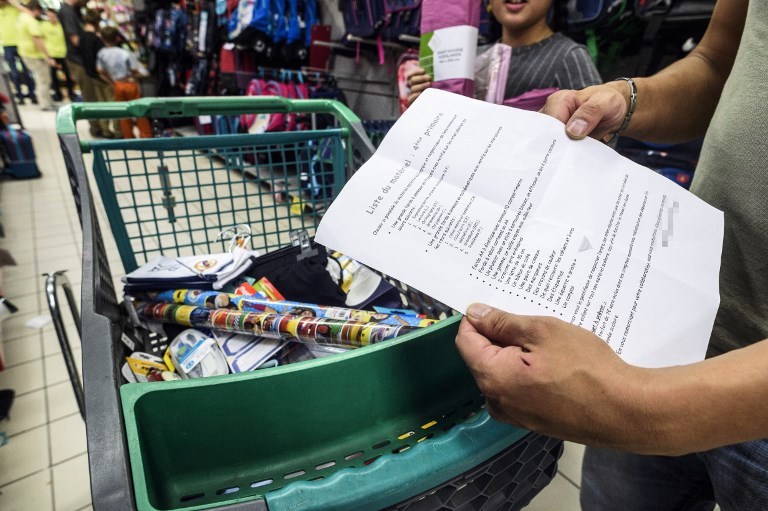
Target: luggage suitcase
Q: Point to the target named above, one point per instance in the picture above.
(18, 145)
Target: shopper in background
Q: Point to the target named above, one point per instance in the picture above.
(541, 58)
(34, 53)
(10, 10)
(55, 43)
(120, 68)
(561, 380)
(72, 23)
(99, 89)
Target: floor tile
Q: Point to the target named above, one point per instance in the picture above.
(15, 327)
(51, 345)
(570, 462)
(21, 350)
(27, 412)
(24, 454)
(48, 257)
(27, 303)
(67, 438)
(31, 493)
(559, 495)
(26, 272)
(71, 484)
(62, 238)
(72, 263)
(61, 400)
(23, 378)
(20, 288)
(56, 369)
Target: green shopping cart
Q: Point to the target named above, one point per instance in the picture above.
(396, 425)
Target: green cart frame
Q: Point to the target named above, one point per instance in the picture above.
(396, 425)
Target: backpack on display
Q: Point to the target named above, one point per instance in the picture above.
(21, 152)
(363, 18)
(251, 21)
(260, 123)
(401, 17)
(170, 30)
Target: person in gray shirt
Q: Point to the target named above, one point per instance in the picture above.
(540, 58)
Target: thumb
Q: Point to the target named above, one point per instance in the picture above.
(585, 119)
(505, 329)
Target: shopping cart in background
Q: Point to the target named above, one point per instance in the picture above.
(397, 425)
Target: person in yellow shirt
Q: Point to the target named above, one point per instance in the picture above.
(53, 38)
(20, 75)
(34, 54)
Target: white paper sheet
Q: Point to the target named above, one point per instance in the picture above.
(472, 202)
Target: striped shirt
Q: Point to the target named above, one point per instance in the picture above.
(556, 61)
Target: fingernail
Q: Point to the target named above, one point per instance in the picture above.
(577, 128)
(478, 310)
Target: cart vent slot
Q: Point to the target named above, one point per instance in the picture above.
(425, 437)
(353, 456)
(381, 444)
(449, 426)
(468, 403)
(400, 449)
(429, 424)
(193, 496)
(261, 483)
(228, 491)
(327, 464)
(294, 474)
(470, 414)
(406, 435)
(371, 460)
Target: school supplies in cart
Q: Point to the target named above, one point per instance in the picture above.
(332, 332)
(261, 304)
(202, 271)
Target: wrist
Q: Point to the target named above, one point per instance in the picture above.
(636, 407)
(677, 410)
(627, 88)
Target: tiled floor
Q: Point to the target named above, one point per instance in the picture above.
(44, 466)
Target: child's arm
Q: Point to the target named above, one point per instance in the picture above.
(134, 64)
(102, 70)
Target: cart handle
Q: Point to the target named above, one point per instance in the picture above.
(196, 106)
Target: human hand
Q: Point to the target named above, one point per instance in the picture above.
(53, 63)
(596, 111)
(418, 81)
(555, 378)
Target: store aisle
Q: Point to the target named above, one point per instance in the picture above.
(44, 466)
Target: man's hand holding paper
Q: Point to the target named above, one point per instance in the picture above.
(472, 202)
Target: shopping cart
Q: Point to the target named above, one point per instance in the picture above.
(396, 425)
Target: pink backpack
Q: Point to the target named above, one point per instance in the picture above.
(261, 123)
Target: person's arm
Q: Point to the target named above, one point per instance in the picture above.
(561, 380)
(676, 104)
(71, 27)
(41, 46)
(579, 70)
(102, 70)
(19, 6)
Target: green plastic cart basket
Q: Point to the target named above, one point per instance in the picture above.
(397, 425)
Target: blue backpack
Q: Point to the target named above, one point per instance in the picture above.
(170, 30)
(21, 153)
(251, 19)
